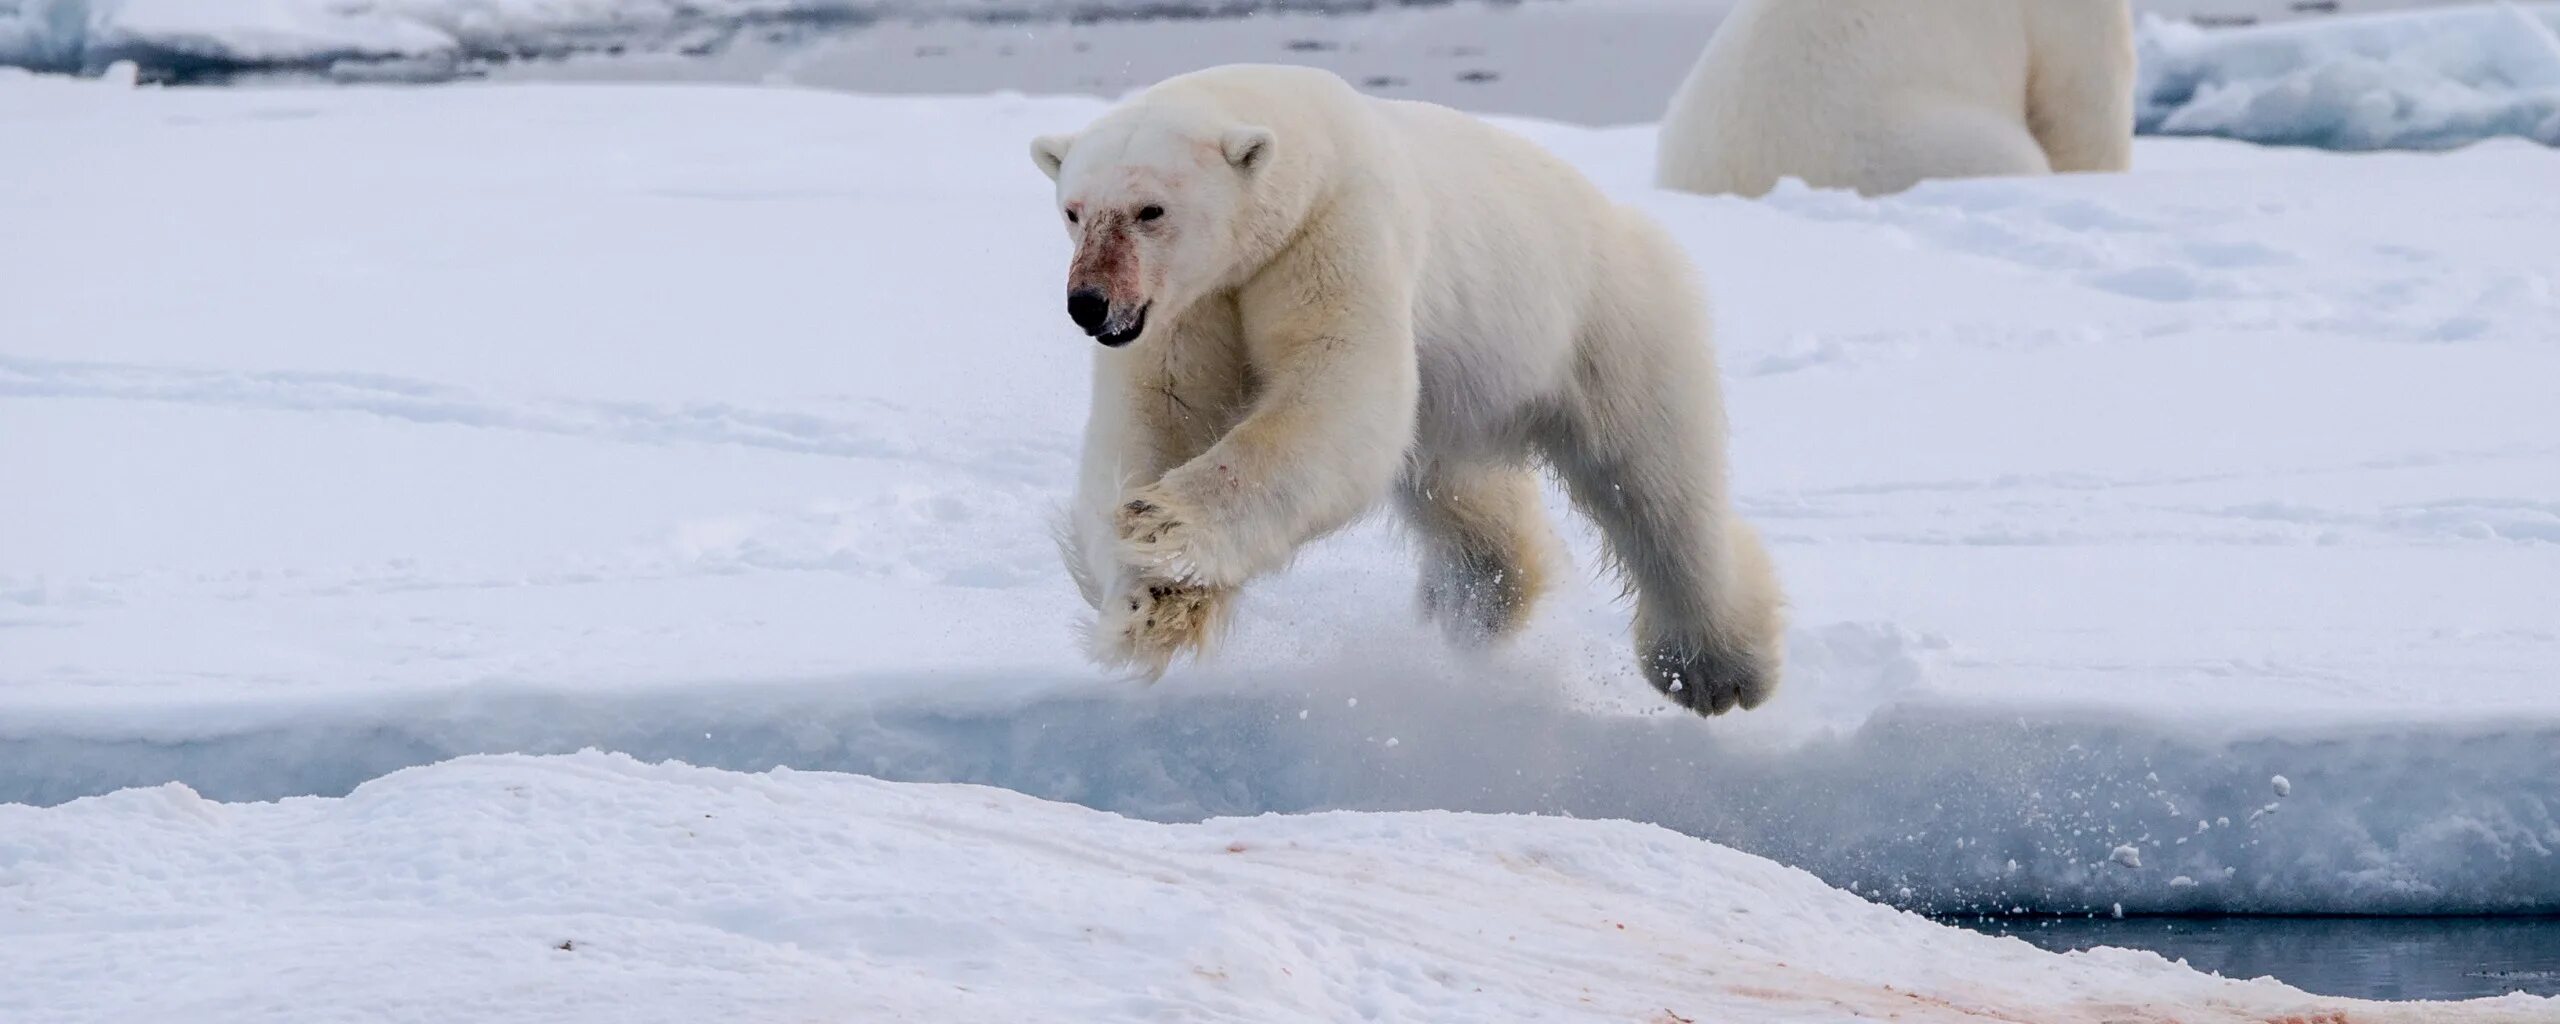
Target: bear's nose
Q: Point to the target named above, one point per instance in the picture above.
(1088, 309)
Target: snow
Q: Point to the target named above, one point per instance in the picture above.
(595, 887)
(2423, 79)
(351, 430)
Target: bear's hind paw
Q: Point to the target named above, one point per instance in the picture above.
(1707, 680)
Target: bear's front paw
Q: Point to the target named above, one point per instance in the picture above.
(1159, 536)
(1709, 679)
(1155, 621)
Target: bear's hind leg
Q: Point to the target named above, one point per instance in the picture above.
(1943, 141)
(1707, 616)
(1487, 550)
(1640, 444)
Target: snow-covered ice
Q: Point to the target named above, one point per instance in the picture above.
(2420, 79)
(73, 35)
(349, 430)
(593, 887)
(2363, 76)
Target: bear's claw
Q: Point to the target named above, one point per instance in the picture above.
(1163, 620)
(1157, 541)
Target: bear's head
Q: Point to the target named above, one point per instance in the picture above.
(1157, 201)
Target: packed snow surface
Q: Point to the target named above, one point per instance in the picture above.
(2422, 79)
(350, 430)
(500, 890)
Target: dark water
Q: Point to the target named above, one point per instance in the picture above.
(2348, 957)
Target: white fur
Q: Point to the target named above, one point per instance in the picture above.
(1877, 95)
(1350, 299)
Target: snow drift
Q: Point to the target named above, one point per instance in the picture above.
(506, 890)
(1932, 808)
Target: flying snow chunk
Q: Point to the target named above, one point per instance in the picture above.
(2127, 856)
(2284, 786)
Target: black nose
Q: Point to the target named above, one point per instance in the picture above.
(1088, 309)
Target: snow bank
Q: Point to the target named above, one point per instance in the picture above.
(594, 887)
(358, 429)
(2426, 79)
(1933, 808)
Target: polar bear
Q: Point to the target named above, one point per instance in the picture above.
(1876, 95)
(1311, 302)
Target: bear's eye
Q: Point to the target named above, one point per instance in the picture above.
(1071, 216)
(1150, 212)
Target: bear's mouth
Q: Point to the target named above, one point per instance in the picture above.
(1137, 326)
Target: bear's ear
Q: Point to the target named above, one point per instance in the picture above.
(1050, 152)
(1247, 148)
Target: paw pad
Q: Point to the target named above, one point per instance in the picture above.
(1707, 680)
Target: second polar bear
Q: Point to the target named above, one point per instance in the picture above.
(1877, 95)
(1312, 301)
